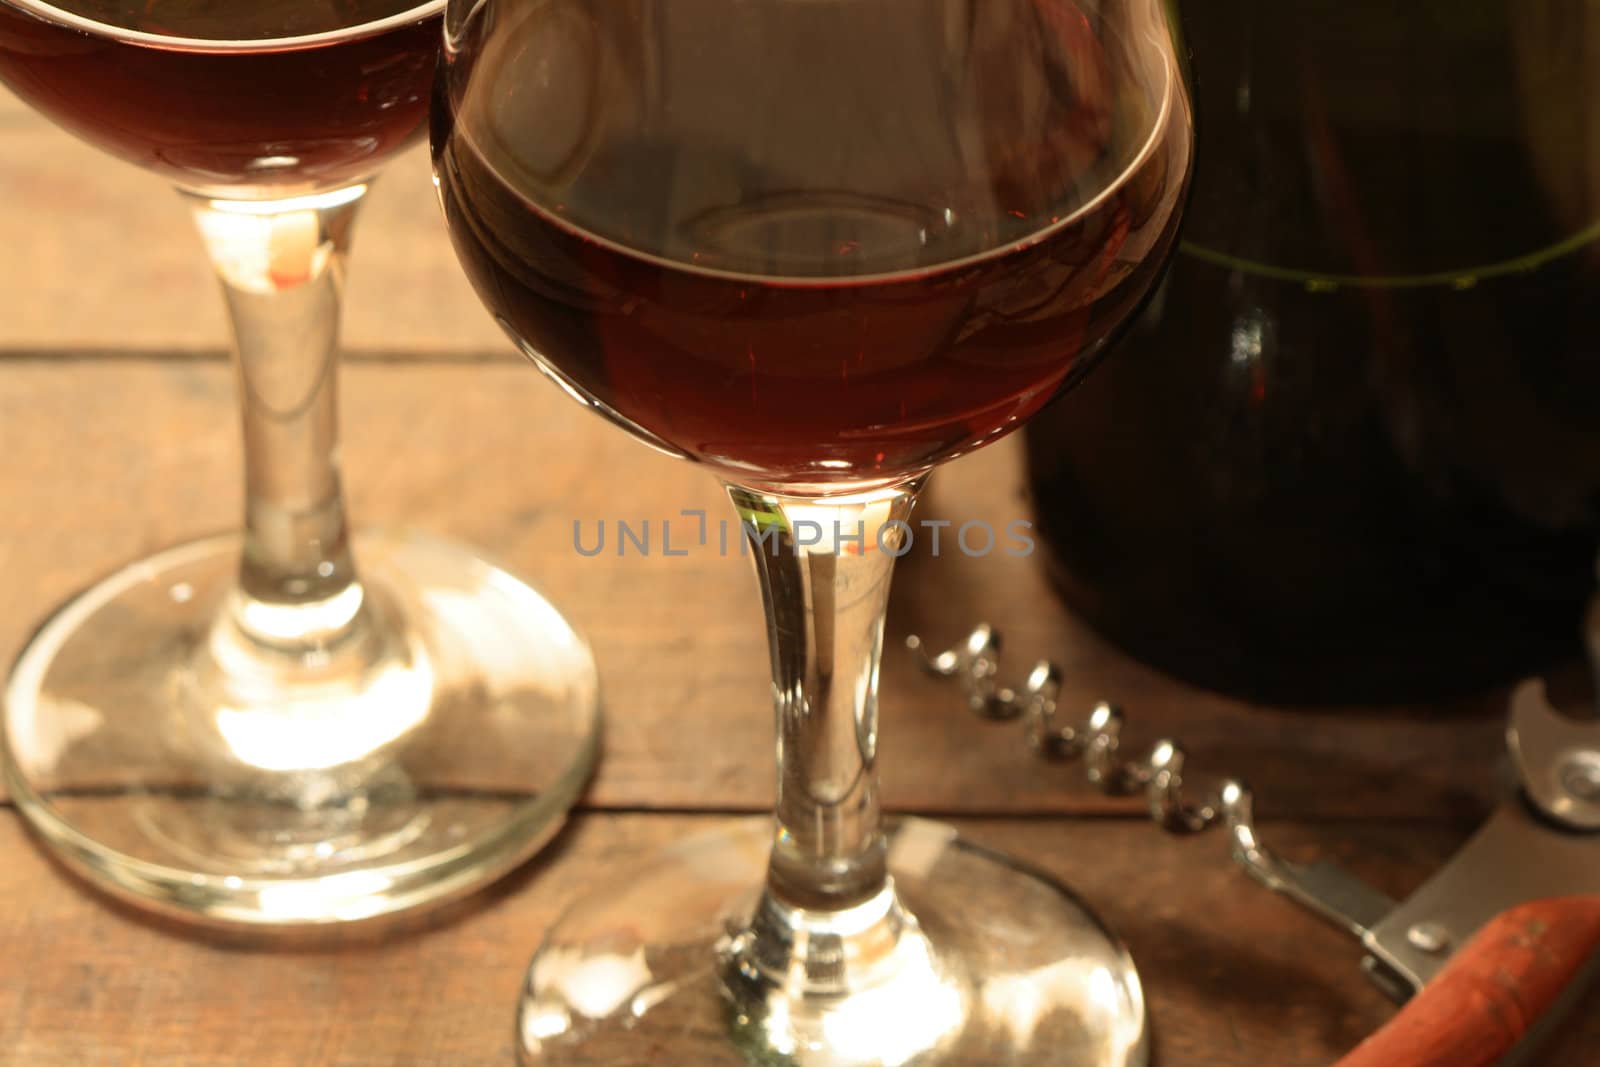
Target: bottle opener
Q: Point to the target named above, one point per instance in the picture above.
(1485, 954)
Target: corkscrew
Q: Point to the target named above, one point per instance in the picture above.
(1466, 914)
(1322, 887)
(1097, 739)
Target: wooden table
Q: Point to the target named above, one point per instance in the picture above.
(118, 437)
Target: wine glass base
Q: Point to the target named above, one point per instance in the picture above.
(1004, 968)
(277, 801)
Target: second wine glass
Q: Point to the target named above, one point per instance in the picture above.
(247, 729)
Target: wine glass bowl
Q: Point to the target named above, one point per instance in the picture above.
(764, 261)
(250, 729)
(819, 246)
(233, 100)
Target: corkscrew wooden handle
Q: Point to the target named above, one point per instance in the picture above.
(1492, 992)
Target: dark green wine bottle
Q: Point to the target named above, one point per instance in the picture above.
(1351, 451)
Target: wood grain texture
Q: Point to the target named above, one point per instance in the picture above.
(1234, 976)
(95, 253)
(84, 983)
(108, 460)
(1493, 992)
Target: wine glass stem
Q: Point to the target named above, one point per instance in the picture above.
(825, 568)
(281, 265)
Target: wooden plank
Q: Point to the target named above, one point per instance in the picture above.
(106, 461)
(97, 253)
(1234, 976)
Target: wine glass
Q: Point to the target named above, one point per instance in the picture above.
(818, 246)
(242, 729)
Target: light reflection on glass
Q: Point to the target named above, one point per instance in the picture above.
(541, 1021)
(899, 1020)
(315, 731)
(52, 729)
(350, 896)
(1019, 1002)
(594, 984)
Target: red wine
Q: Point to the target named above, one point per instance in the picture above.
(1352, 449)
(231, 97)
(805, 256)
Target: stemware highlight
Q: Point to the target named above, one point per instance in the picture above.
(246, 729)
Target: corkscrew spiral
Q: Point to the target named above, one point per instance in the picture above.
(1097, 739)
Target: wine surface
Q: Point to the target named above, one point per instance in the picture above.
(230, 97)
(1352, 449)
(811, 244)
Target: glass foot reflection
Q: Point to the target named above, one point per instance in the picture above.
(969, 959)
(412, 762)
